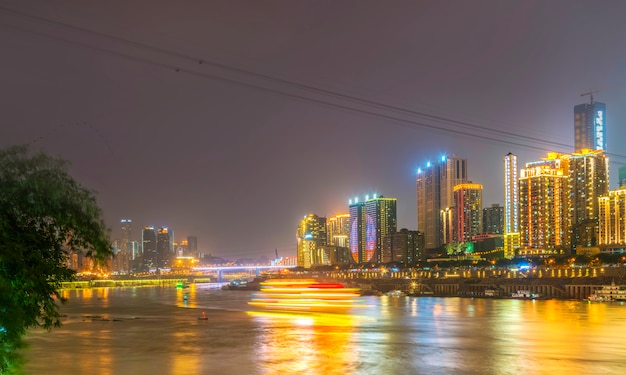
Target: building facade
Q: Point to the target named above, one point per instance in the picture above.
(148, 247)
(493, 219)
(590, 126)
(541, 201)
(164, 247)
(403, 247)
(370, 221)
(511, 206)
(435, 198)
(310, 237)
(468, 203)
(612, 219)
(338, 230)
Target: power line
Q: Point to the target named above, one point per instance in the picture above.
(493, 134)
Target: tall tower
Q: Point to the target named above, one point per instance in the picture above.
(468, 202)
(125, 227)
(338, 230)
(542, 194)
(370, 221)
(612, 219)
(588, 180)
(310, 237)
(148, 247)
(435, 197)
(590, 125)
(511, 206)
(164, 247)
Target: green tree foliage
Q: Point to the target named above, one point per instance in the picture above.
(44, 215)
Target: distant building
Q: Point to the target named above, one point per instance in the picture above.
(590, 126)
(588, 180)
(622, 176)
(370, 221)
(493, 219)
(126, 232)
(338, 230)
(468, 202)
(511, 206)
(310, 237)
(149, 248)
(612, 219)
(403, 247)
(541, 201)
(334, 255)
(435, 197)
(164, 248)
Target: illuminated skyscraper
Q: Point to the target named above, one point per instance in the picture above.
(148, 247)
(588, 180)
(311, 237)
(511, 206)
(338, 230)
(590, 126)
(370, 221)
(541, 201)
(612, 219)
(126, 227)
(164, 247)
(468, 203)
(435, 197)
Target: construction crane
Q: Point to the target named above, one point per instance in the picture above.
(590, 93)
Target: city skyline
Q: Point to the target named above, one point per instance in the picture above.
(230, 122)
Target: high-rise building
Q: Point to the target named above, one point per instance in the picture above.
(468, 203)
(493, 219)
(612, 219)
(541, 201)
(164, 247)
(588, 180)
(192, 246)
(370, 221)
(403, 247)
(125, 231)
(590, 126)
(622, 175)
(310, 237)
(338, 230)
(435, 197)
(148, 247)
(511, 206)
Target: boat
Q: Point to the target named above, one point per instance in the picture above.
(203, 316)
(395, 293)
(305, 295)
(244, 284)
(526, 294)
(609, 293)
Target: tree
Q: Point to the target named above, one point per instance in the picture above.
(44, 215)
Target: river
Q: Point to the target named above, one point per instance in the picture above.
(156, 330)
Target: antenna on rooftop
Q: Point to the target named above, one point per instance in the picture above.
(590, 93)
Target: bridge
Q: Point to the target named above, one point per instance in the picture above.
(221, 269)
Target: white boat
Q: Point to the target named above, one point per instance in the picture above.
(525, 294)
(609, 293)
(396, 293)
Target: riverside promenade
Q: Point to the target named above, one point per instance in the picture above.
(562, 283)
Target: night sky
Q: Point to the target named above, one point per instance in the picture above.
(230, 121)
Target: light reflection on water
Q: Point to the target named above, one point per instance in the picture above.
(157, 331)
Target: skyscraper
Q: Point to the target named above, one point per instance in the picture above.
(612, 219)
(126, 228)
(164, 247)
(338, 230)
(468, 202)
(588, 180)
(435, 197)
(370, 221)
(493, 219)
(403, 247)
(511, 206)
(541, 201)
(148, 247)
(310, 237)
(590, 126)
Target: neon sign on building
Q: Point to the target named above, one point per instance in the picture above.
(599, 130)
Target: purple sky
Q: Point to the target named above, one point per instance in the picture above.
(297, 106)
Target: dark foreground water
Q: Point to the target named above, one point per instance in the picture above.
(154, 331)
